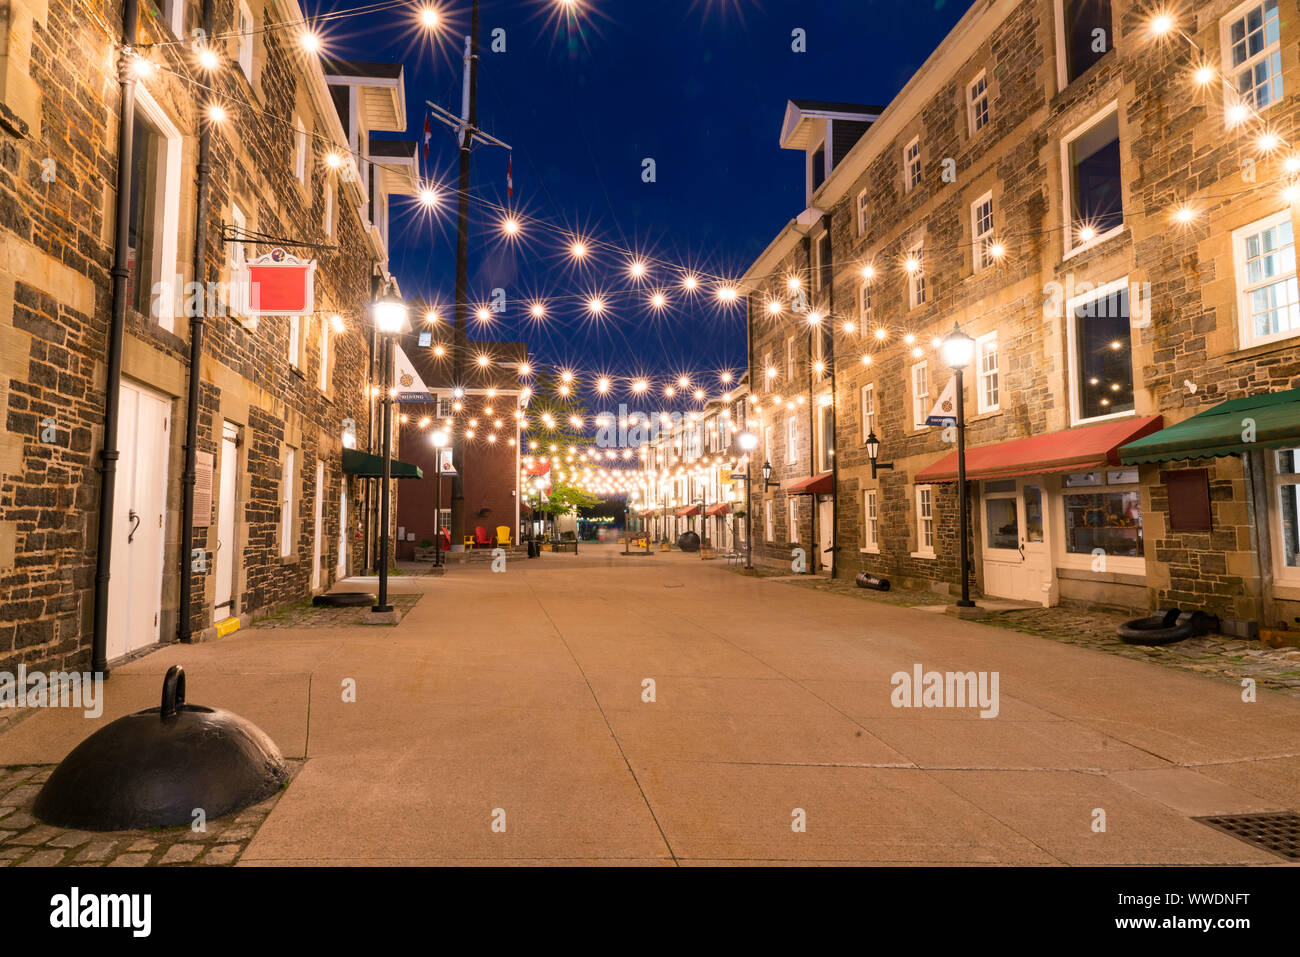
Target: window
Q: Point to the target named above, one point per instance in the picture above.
(1002, 518)
(925, 521)
(864, 301)
(1286, 499)
(920, 394)
(818, 168)
(912, 165)
(323, 382)
(1086, 25)
(792, 439)
(822, 275)
(986, 372)
(868, 405)
(154, 214)
(916, 275)
(1109, 522)
(1101, 354)
(767, 443)
(769, 524)
(300, 150)
(977, 103)
(1269, 302)
(1093, 172)
(286, 503)
(1252, 47)
(981, 219)
(789, 358)
(769, 372)
(295, 340)
(862, 213)
(246, 28)
(825, 435)
(174, 14)
(331, 193)
(870, 520)
(792, 519)
(235, 258)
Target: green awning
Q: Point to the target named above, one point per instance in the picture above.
(356, 462)
(1268, 421)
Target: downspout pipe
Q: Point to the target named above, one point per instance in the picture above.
(117, 325)
(184, 630)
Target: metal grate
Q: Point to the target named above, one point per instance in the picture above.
(1277, 833)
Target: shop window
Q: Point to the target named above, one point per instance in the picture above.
(1033, 496)
(1002, 521)
(1109, 520)
(1093, 183)
(1101, 354)
(1252, 53)
(1086, 25)
(1268, 296)
(1286, 482)
(1189, 500)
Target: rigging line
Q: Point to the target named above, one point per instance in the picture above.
(285, 24)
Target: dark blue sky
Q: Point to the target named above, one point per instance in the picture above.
(699, 86)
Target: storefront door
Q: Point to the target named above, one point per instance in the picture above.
(1017, 562)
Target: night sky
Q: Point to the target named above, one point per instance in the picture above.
(699, 86)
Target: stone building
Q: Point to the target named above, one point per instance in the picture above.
(275, 518)
(1102, 199)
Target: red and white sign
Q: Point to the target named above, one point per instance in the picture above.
(279, 284)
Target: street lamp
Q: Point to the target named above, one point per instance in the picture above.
(389, 315)
(958, 351)
(748, 441)
(440, 440)
(873, 453)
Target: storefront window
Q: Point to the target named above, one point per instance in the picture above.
(1002, 522)
(1110, 521)
(1033, 513)
(1288, 491)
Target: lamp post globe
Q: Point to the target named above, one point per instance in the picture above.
(958, 349)
(747, 440)
(439, 440)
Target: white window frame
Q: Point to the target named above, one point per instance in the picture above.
(790, 361)
(871, 521)
(767, 367)
(920, 399)
(973, 98)
(1073, 248)
(983, 346)
(174, 14)
(982, 236)
(331, 200)
(295, 340)
(862, 212)
(1071, 304)
(245, 26)
(791, 440)
(769, 520)
(864, 301)
(792, 519)
(825, 450)
(1283, 574)
(916, 291)
(1062, 45)
(1120, 564)
(323, 380)
(167, 215)
(767, 443)
(1231, 96)
(286, 502)
(1245, 320)
(912, 168)
(867, 409)
(300, 150)
(924, 522)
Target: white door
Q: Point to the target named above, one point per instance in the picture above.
(342, 571)
(826, 530)
(223, 604)
(1016, 557)
(316, 527)
(139, 507)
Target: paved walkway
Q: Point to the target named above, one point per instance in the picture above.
(505, 720)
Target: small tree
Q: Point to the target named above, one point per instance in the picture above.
(565, 499)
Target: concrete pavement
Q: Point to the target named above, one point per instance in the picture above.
(505, 721)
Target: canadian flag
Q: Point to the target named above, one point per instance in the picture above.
(510, 176)
(428, 134)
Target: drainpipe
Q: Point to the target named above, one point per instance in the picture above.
(117, 325)
(184, 631)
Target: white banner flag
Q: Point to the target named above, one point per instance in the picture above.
(410, 387)
(945, 410)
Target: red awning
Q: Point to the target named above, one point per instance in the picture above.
(1074, 450)
(722, 508)
(537, 468)
(816, 485)
(686, 510)
(647, 513)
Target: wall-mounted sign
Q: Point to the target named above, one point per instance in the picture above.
(279, 284)
(445, 466)
(410, 387)
(945, 410)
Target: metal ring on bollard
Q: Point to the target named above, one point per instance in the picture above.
(173, 694)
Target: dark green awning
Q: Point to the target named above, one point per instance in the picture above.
(1272, 420)
(356, 462)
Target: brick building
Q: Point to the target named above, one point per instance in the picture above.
(278, 398)
(1100, 206)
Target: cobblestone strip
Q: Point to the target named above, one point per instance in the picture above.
(25, 842)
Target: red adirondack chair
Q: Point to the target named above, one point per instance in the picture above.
(446, 539)
(481, 537)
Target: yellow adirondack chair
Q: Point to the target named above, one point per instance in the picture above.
(503, 536)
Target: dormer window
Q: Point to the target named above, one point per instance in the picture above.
(818, 167)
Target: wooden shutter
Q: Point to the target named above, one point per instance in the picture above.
(1189, 500)
(203, 469)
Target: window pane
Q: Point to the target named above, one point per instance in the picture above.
(1289, 512)
(1288, 462)
(1103, 356)
(142, 238)
(1110, 521)
(1033, 513)
(1095, 163)
(1003, 523)
(1087, 32)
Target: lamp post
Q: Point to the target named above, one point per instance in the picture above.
(748, 441)
(539, 484)
(873, 453)
(440, 440)
(958, 350)
(389, 313)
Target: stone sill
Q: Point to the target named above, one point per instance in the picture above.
(1108, 578)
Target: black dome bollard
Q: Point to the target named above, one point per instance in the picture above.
(156, 767)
